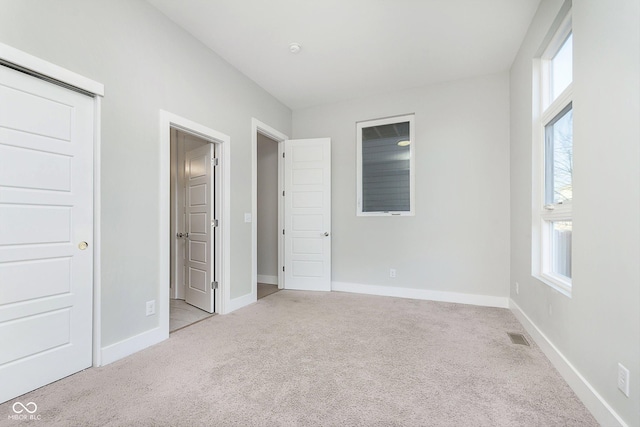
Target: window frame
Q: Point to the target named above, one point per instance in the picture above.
(359, 181)
(546, 112)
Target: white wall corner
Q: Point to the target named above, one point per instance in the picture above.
(601, 410)
(421, 294)
(124, 348)
(240, 302)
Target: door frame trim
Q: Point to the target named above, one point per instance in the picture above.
(259, 127)
(43, 69)
(222, 297)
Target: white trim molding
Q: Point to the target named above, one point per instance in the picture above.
(41, 67)
(126, 347)
(97, 235)
(422, 294)
(601, 410)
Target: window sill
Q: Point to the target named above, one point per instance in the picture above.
(385, 214)
(556, 282)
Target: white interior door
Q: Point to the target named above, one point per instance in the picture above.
(199, 244)
(307, 212)
(46, 232)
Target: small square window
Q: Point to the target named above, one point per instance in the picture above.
(385, 166)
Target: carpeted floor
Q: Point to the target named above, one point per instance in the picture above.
(324, 359)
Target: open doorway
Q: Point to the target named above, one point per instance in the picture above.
(193, 229)
(267, 216)
(304, 212)
(221, 283)
(267, 209)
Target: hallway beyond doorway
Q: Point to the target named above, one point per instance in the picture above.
(265, 290)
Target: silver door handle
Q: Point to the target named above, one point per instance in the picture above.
(326, 234)
(183, 235)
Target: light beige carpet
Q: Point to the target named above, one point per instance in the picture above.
(324, 359)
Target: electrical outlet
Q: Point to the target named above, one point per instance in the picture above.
(517, 288)
(151, 307)
(392, 272)
(623, 379)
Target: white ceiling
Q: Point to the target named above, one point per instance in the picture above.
(354, 48)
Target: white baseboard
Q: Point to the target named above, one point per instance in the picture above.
(601, 410)
(126, 347)
(240, 302)
(269, 280)
(422, 294)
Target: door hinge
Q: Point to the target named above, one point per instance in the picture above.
(283, 155)
(214, 161)
(283, 268)
(283, 231)
(215, 222)
(214, 285)
(282, 193)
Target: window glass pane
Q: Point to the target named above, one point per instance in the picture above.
(559, 158)
(562, 68)
(561, 247)
(385, 168)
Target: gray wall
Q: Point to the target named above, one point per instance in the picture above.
(146, 63)
(599, 325)
(267, 206)
(458, 241)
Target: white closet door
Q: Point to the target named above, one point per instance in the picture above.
(46, 232)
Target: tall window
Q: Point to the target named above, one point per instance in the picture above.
(553, 137)
(385, 157)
